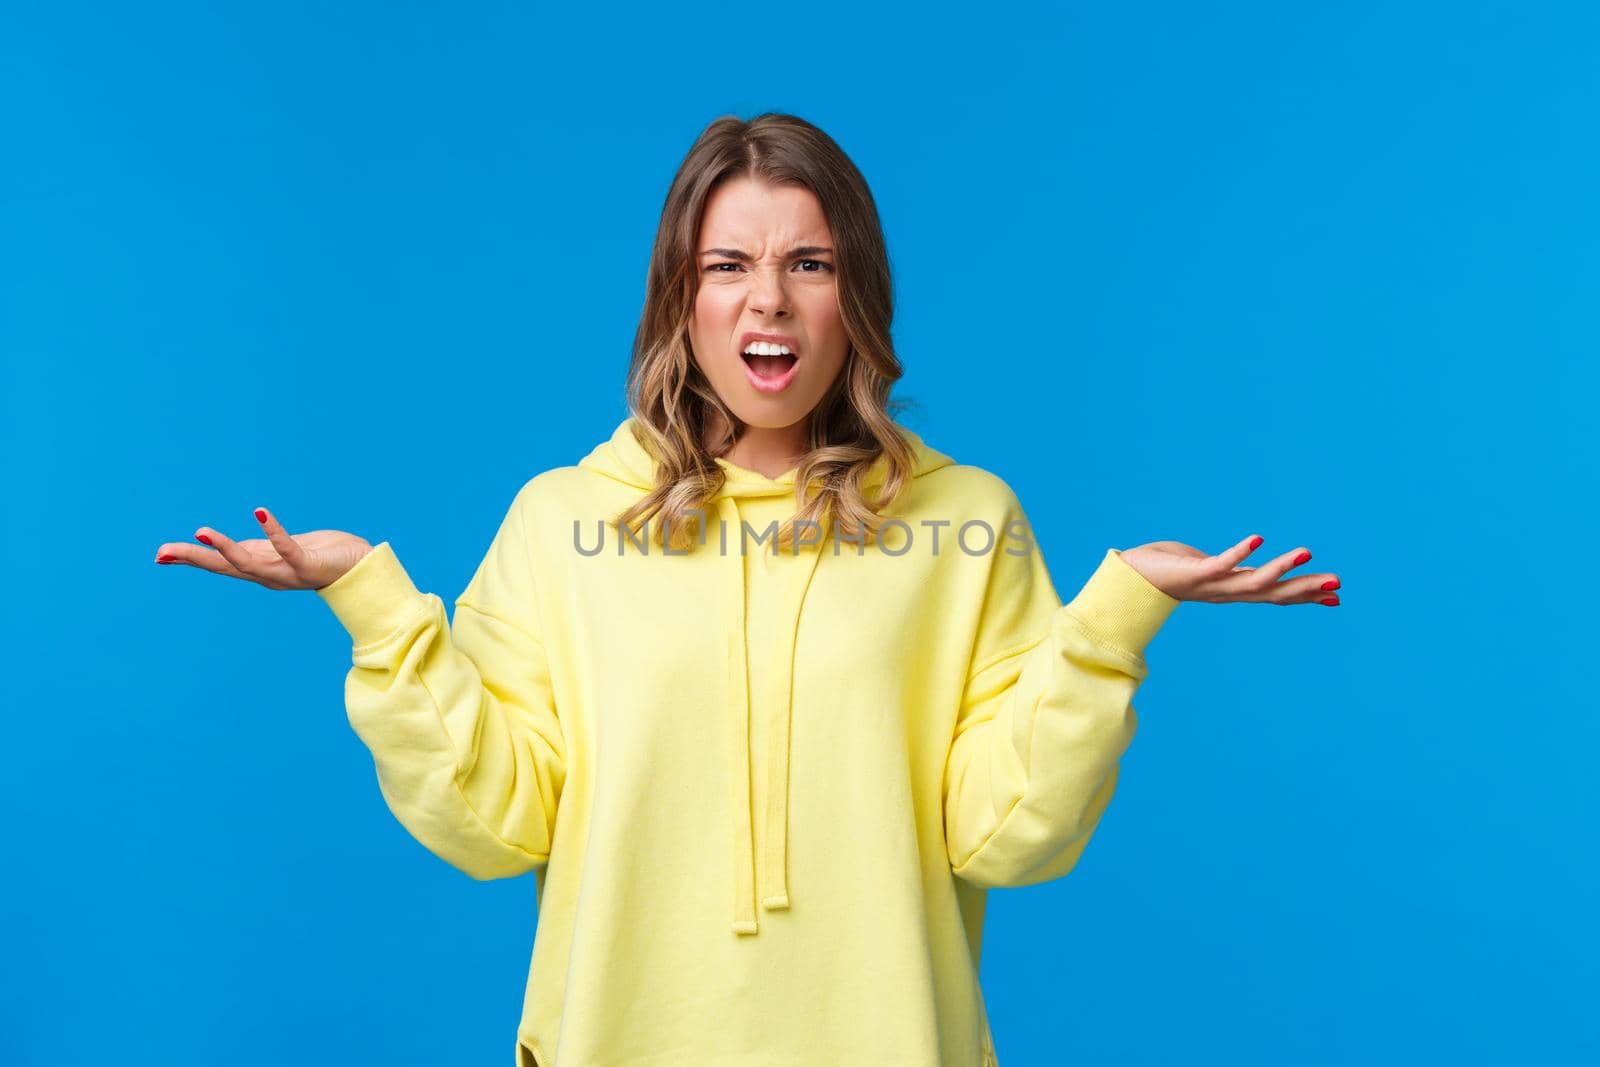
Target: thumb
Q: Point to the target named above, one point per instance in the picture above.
(287, 547)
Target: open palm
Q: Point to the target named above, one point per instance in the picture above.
(1186, 573)
(310, 560)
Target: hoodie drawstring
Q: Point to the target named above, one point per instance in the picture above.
(773, 868)
(744, 912)
(625, 461)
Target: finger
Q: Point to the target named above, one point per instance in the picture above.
(1229, 560)
(1311, 589)
(1262, 584)
(1303, 589)
(194, 556)
(243, 564)
(1281, 565)
(288, 548)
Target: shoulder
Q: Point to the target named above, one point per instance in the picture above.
(970, 490)
(979, 506)
(556, 488)
(541, 515)
(544, 505)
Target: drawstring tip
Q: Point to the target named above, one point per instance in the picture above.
(744, 926)
(776, 903)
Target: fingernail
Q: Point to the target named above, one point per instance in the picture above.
(1301, 558)
(1255, 543)
(204, 539)
(261, 514)
(1331, 601)
(1331, 583)
(165, 559)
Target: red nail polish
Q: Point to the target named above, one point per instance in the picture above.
(1331, 601)
(204, 539)
(1301, 558)
(1331, 583)
(1255, 543)
(165, 559)
(261, 514)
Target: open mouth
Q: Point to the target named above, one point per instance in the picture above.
(770, 367)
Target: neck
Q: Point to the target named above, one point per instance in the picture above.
(770, 451)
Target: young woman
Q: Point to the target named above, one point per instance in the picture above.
(766, 690)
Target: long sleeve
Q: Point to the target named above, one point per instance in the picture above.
(461, 719)
(1045, 717)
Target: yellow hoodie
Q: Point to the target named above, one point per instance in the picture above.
(764, 794)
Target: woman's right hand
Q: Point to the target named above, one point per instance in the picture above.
(311, 560)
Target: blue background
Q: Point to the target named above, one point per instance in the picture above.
(1326, 274)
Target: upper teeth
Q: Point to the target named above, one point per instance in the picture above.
(766, 348)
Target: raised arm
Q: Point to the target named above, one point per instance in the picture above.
(1046, 715)
(460, 719)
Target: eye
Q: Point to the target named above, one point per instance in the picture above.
(717, 268)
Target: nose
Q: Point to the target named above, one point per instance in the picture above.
(768, 292)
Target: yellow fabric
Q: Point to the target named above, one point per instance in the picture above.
(764, 794)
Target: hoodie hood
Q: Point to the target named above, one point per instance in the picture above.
(624, 458)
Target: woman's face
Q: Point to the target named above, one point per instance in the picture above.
(766, 266)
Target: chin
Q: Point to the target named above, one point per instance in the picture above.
(769, 413)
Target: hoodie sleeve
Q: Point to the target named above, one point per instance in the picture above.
(461, 719)
(1046, 713)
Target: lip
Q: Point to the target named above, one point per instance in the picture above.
(770, 385)
(776, 338)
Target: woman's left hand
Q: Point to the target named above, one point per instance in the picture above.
(1185, 573)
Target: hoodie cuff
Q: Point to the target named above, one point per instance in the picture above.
(1121, 606)
(375, 598)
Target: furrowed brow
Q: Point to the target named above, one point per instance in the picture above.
(794, 253)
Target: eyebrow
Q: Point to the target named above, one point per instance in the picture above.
(734, 253)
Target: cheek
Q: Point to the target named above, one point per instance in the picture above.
(710, 324)
(713, 300)
(699, 313)
(826, 309)
(825, 323)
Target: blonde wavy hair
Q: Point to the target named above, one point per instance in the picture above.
(672, 401)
